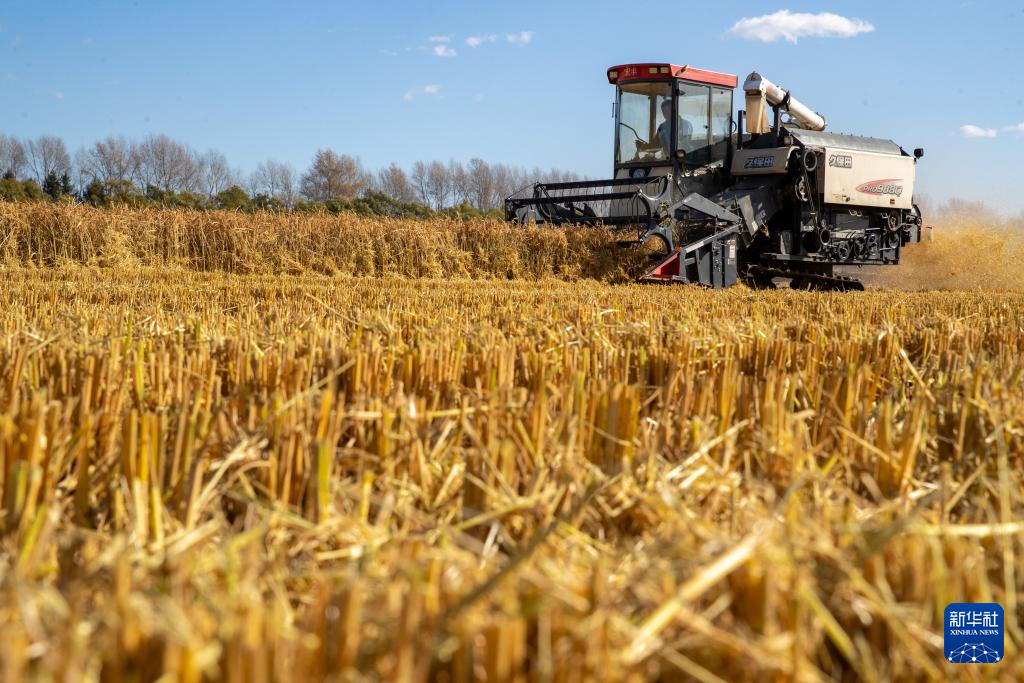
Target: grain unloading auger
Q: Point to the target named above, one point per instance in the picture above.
(713, 200)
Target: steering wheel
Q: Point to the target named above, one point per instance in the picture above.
(639, 140)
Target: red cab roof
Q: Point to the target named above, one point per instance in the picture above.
(648, 71)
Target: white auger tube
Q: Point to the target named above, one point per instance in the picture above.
(756, 84)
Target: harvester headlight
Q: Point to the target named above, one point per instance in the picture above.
(613, 75)
(663, 70)
(652, 69)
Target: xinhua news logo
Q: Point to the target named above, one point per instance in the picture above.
(974, 633)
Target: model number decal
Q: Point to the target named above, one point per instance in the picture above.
(884, 186)
(759, 162)
(840, 161)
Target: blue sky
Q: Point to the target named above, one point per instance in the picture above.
(278, 80)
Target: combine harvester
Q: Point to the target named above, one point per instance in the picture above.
(710, 206)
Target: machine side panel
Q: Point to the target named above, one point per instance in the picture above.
(855, 178)
(761, 161)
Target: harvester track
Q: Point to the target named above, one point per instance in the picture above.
(760, 276)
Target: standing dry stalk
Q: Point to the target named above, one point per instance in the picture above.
(220, 477)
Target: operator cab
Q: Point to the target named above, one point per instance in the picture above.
(667, 114)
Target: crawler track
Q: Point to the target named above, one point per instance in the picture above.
(760, 276)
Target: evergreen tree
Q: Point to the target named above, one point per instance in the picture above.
(51, 185)
(66, 188)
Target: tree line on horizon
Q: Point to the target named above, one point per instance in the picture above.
(158, 170)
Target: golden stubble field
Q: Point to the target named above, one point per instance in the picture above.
(213, 476)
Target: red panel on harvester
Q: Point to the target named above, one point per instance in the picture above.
(667, 269)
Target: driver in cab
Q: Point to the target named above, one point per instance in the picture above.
(683, 128)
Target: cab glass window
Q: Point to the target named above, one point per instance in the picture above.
(721, 122)
(692, 126)
(640, 135)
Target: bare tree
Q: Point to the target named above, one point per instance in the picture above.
(507, 180)
(334, 175)
(12, 156)
(438, 184)
(47, 154)
(556, 175)
(215, 174)
(166, 164)
(393, 182)
(419, 183)
(480, 181)
(108, 161)
(458, 183)
(274, 179)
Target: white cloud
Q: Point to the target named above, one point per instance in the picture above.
(440, 39)
(58, 94)
(442, 50)
(477, 41)
(792, 26)
(429, 89)
(1019, 128)
(521, 38)
(969, 131)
